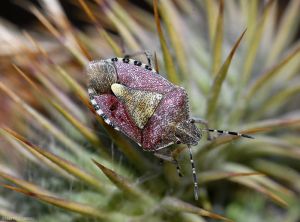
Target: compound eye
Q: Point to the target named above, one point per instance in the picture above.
(178, 140)
(191, 121)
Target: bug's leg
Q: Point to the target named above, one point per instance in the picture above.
(205, 123)
(156, 63)
(178, 168)
(149, 57)
(147, 53)
(169, 158)
(161, 161)
(196, 188)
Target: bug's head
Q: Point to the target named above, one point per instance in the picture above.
(101, 74)
(187, 133)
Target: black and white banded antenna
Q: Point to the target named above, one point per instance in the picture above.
(229, 133)
(204, 122)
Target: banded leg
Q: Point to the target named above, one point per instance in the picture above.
(156, 63)
(146, 53)
(196, 188)
(178, 168)
(171, 159)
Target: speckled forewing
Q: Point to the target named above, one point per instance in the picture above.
(160, 129)
(115, 111)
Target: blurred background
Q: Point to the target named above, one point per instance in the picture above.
(245, 82)
(22, 18)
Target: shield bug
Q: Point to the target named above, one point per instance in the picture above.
(134, 99)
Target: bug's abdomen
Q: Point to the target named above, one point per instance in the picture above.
(160, 129)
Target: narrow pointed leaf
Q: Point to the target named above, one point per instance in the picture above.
(174, 26)
(218, 81)
(55, 94)
(55, 11)
(278, 100)
(251, 9)
(60, 162)
(286, 31)
(262, 184)
(25, 184)
(271, 73)
(218, 41)
(41, 76)
(78, 125)
(273, 124)
(128, 38)
(214, 175)
(177, 205)
(130, 23)
(86, 132)
(255, 186)
(253, 44)
(83, 209)
(67, 44)
(101, 31)
(76, 88)
(170, 67)
(144, 19)
(123, 184)
(40, 159)
(275, 151)
(211, 9)
(43, 121)
(282, 172)
(125, 146)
